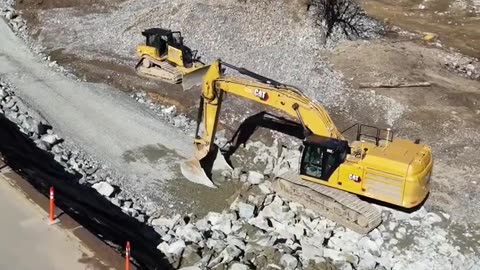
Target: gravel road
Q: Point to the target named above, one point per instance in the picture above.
(107, 123)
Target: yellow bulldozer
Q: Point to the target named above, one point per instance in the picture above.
(333, 173)
(165, 57)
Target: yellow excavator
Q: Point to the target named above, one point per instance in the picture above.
(164, 56)
(332, 171)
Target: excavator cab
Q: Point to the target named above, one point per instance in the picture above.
(322, 156)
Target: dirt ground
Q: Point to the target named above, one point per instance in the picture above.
(444, 115)
(455, 25)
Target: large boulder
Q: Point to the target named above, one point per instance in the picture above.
(255, 178)
(289, 262)
(104, 188)
(245, 210)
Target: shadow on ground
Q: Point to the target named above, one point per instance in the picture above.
(82, 203)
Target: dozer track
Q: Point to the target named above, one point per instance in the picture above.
(340, 206)
(158, 70)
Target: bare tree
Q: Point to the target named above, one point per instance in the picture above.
(344, 14)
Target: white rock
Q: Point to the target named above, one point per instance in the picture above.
(202, 225)
(167, 222)
(49, 138)
(42, 145)
(277, 211)
(265, 187)
(266, 240)
(231, 240)
(259, 222)
(299, 231)
(420, 213)
(169, 110)
(344, 266)
(296, 207)
(167, 238)
(189, 233)
(288, 261)
(311, 252)
(432, 218)
(104, 188)
(163, 247)
(336, 255)
(238, 266)
(176, 248)
(398, 215)
(255, 178)
(392, 225)
(268, 199)
(216, 234)
(245, 210)
(224, 225)
(236, 173)
(367, 262)
(214, 218)
(190, 268)
(227, 255)
(32, 125)
(368, 245)
(375, 234)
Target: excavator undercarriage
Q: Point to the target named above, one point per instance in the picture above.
(342, 207)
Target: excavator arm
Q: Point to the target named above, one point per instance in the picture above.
(256, 88)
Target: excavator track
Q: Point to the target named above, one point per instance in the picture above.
(158, 70)
(339, 206)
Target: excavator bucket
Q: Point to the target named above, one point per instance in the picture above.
(193, 171)
(203, 162)
(194, 79)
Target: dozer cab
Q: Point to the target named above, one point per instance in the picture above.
(164, 56)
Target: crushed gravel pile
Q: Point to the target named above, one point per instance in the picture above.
(275, 39)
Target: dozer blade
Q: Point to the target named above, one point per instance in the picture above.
(194, 78)
(198, 169)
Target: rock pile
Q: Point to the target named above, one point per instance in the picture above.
(73, 160)
(266, 232)
(467, 66)
(169, 113)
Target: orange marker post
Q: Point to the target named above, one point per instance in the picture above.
(127, 256)
(52, 205)
(51, 219)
